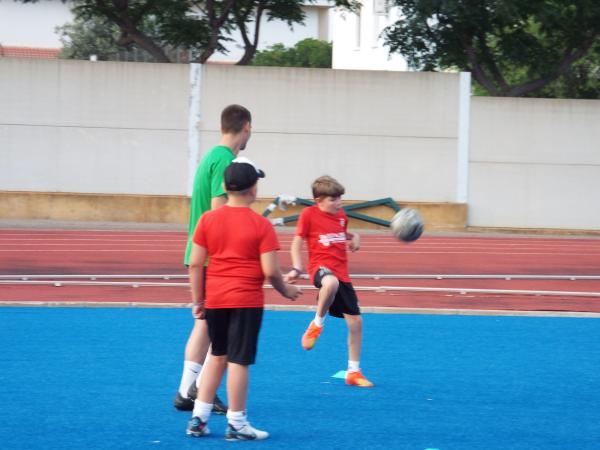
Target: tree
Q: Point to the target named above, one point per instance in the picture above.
(249, 13)
(306, 53)
(511, 47)
(201, 26)
(175, 23)
(100, 37)
(582, 80)
(82, 39)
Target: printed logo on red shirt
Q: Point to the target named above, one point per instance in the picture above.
(332, 238)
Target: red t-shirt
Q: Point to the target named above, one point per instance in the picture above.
(326, 237)
(234, 239)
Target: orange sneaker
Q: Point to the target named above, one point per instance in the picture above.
(310, 336)
(357, 379)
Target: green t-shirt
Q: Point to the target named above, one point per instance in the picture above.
(208, 183)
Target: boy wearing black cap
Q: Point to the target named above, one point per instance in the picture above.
(242, 249)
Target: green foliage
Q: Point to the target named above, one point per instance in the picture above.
(99, 36)
(512, 47)
(82, 38)
(306, 53)
(582, 80)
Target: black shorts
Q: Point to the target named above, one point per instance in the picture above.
(345, 301)
(234, 332)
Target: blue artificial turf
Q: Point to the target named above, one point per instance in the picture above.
(95, 378)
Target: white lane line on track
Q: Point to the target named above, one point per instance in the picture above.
(287, 237)
(86, 240)
(103, 244)
(376, 276)
(85, 235)
(481, 246)
(378, 289)
(415, 252)
(566, 249)
(295, 307)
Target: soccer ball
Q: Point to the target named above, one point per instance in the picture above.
(407, 225)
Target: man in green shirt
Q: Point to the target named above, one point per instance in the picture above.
(209, 193)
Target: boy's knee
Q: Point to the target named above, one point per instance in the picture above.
(330, 283)
(220, 360)
(353, 321)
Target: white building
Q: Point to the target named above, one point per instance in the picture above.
(32, 24)
(29, 29)
(357, 42)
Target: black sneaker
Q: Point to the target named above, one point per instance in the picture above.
(193, 391)
(218, 406)
(183, 404)
(197, 428)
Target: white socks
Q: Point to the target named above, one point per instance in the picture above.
(353, 366)
(202, 410)
(191, 370)
(319, 321)
(237, 419)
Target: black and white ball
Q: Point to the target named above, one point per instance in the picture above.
(407, 225)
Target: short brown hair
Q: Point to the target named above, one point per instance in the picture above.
(233, 118)
(327, 186)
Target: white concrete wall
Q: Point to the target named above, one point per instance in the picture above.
(535, 163)
(381, 134)
(77, 126)
(122, 128)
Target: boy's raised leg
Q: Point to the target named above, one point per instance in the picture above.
(329, 287)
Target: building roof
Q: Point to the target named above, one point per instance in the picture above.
(28, 52)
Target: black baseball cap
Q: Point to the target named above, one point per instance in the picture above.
(241, 174)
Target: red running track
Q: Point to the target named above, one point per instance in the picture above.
(73, 252)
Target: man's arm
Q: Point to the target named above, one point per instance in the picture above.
(196, 273)
(270, 268)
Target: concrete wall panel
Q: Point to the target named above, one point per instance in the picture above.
(92, 160)
(535, 163)
(381, 133)
(411, 169)
(337, 102)
(535, 196)
(548, 131)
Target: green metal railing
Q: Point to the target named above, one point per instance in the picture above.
(350, 210)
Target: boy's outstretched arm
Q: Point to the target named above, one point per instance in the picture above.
(296, 253)
(196, 273)
(270, 268)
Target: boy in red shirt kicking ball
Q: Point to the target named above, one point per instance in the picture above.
(324, 227)
(242, 249)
